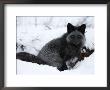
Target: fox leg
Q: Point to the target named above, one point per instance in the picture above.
(63, 67)
(72, 62)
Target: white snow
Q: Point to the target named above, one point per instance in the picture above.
(35, 32)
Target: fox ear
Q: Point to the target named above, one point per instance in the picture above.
(70, 28)
(82, 28)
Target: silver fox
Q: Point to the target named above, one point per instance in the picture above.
(59, 51)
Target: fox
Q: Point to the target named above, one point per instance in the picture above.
(63, 51)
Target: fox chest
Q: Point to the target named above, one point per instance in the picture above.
(69, 52)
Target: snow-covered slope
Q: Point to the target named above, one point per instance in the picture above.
(83, 67)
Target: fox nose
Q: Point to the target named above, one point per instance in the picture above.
(76, 42)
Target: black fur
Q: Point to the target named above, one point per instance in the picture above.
(58, 51)
(24, 56)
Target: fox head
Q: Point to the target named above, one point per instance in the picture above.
(76, 34)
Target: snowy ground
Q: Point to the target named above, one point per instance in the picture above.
(34, 32)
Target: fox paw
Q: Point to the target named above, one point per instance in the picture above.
(64, 67)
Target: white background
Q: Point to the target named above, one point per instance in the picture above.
(99, 78)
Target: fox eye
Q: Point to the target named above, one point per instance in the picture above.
(72, 36)
(79, 36)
